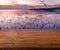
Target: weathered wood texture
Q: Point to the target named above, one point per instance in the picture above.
(30, 38)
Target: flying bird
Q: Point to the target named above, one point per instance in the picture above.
(42, 1)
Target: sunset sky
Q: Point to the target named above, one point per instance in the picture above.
(28, 2)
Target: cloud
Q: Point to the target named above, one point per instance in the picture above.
(38, 2)
(32, 2)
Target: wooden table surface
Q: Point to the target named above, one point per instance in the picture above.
(30, 38)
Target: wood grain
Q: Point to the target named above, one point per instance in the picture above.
(30, 38)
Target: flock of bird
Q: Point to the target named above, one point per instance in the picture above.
(29, 22)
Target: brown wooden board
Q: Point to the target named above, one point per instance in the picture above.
(30, 38)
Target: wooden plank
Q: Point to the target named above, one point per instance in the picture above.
(30, 38)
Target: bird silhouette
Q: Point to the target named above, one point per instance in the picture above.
(42, 1)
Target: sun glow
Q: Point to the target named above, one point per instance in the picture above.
(4, 2)
(7, 2)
